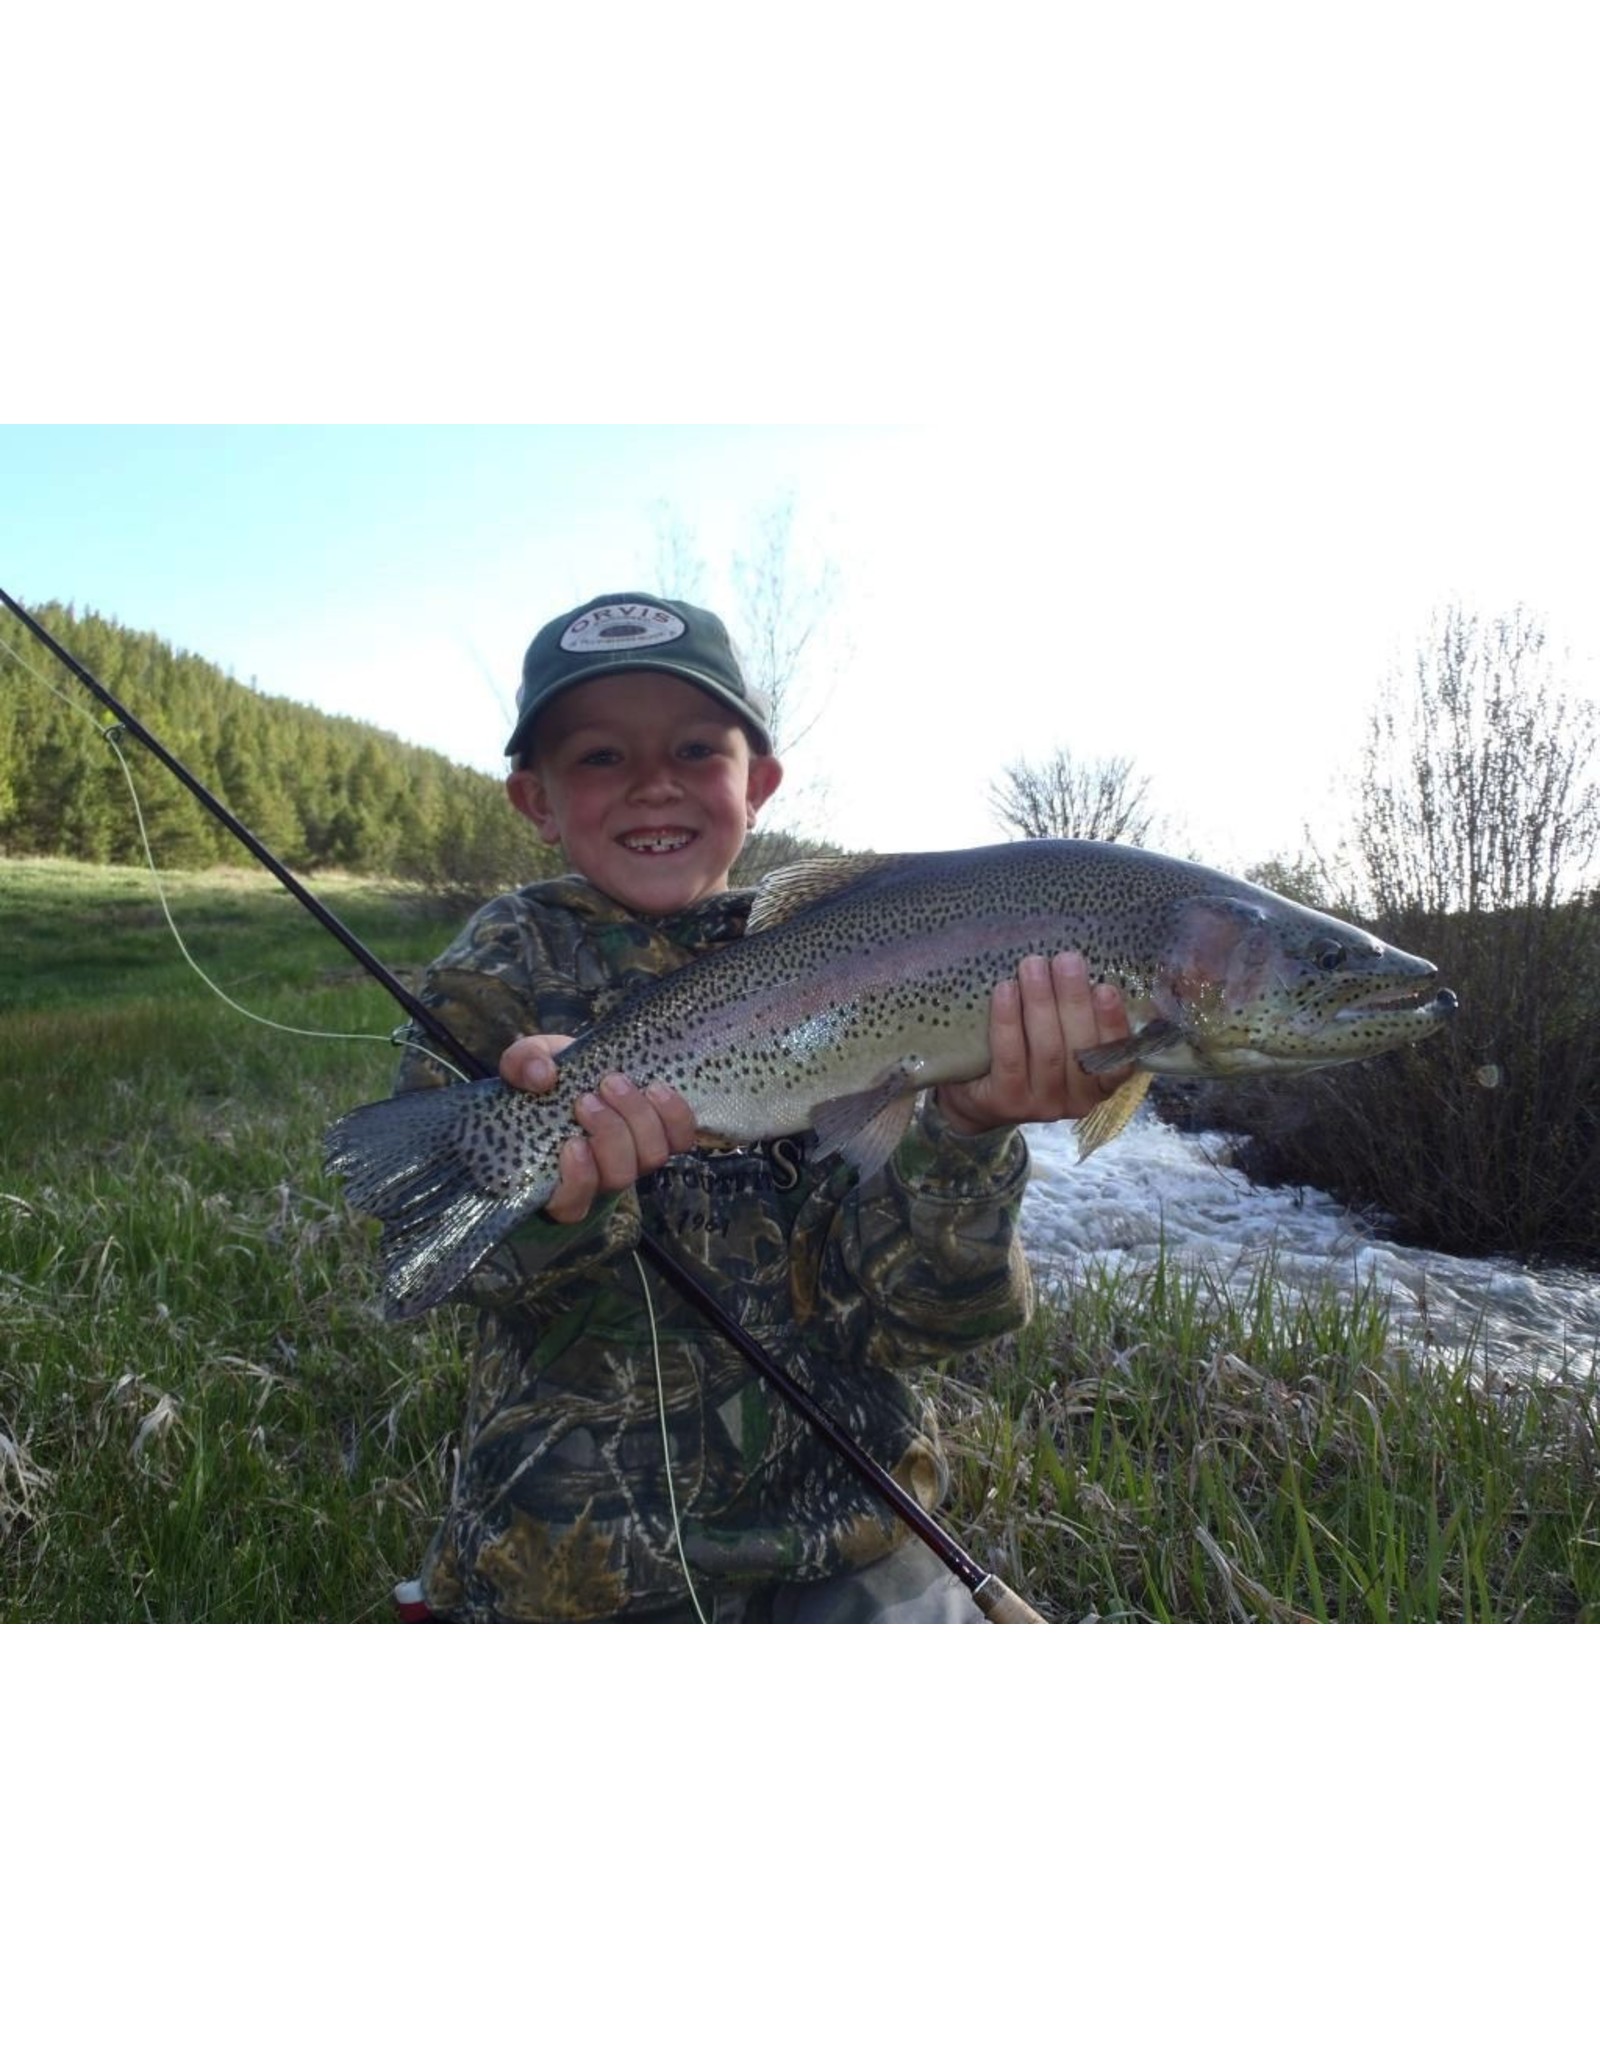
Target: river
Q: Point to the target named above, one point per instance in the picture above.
(1155, 1185)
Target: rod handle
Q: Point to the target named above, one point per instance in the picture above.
(997, 1602)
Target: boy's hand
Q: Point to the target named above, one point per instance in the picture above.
(530, 1063)
(629, 1130)
(1038, 1024)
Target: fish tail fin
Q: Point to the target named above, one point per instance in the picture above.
(419, 1163)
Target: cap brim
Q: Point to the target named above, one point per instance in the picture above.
(683, 670)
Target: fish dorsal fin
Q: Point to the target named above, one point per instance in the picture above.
(804, 882)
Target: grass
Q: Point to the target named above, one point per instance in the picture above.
(1152, 1449)
(203, 1417)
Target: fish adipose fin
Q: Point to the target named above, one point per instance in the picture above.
(420, 1163)
(866, 1128)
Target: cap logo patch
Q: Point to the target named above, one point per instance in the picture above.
(615, 628)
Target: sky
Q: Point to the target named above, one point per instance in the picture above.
(397, 573)
(1184, 379)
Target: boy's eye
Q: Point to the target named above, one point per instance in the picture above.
(611, 757)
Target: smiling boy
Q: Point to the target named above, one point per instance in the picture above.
(616, 1463)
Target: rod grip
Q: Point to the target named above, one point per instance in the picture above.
(997, 1602)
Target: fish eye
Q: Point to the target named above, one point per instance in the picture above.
(1329, 956)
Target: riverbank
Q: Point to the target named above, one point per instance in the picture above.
(1164, 1192)
(1158, 1447)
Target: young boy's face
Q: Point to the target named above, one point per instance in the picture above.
(648, 784)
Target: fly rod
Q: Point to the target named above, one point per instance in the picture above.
(993, 1597)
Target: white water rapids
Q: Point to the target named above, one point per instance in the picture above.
(1156, 1187)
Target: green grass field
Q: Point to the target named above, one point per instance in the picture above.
(204, 1418)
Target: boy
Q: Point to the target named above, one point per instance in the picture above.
(616, 1462)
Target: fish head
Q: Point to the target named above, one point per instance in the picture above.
(1256, 983)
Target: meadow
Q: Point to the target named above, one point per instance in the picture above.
(204, 1417)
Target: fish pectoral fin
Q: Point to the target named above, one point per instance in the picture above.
(866, 1128)
(1156, 1036)
(1112, 1116)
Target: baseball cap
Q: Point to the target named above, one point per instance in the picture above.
(627, 631)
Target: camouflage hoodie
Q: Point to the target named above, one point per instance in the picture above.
(561, 1508)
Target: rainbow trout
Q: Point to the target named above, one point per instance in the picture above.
(860, 982)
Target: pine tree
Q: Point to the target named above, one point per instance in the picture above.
(316, 790)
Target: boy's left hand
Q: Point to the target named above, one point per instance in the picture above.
(1038, 1024)
(627, 1130)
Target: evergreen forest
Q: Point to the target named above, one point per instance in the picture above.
(321, 792)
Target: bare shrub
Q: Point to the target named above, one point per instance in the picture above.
(1478, 787)
(1479, 823)
(1067, 798)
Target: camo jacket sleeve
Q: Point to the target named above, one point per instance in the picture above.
(926, 1260)
(550, 958)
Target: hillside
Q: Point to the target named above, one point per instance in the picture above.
(320, 791)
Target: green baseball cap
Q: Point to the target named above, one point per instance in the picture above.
(628, 631)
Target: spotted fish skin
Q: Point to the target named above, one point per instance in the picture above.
(860, 982)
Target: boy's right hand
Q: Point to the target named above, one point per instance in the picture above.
(629, 1130)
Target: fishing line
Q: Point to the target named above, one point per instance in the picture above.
(112, 738)
(666, 1440)
(111, 733)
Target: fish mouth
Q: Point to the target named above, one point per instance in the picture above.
(656, 840)
(1435, 1005)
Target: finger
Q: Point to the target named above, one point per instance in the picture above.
(578, 1185)
(529, 1062)
(1024, 1045)
(1075, 1001)
(1079, 1016)
(533, 1069)
(651, 1145)
(678, 1119)
(1008, 1045)
(1111, 1014)
(610, 1140)
(1045, 1031)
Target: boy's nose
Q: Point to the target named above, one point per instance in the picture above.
(658, 778)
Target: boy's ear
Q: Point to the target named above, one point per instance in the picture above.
(525, 787)
(766, 772)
